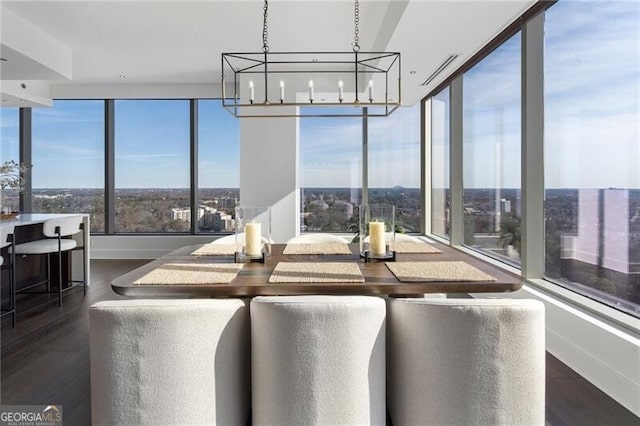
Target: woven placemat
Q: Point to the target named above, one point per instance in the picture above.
(415, 247)
(212, 249)
(437, 271)
(316, 272)
(317, 248)
(191, 274)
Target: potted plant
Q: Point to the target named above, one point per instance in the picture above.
(11, 177)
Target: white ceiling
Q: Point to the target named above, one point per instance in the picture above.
(172, 48)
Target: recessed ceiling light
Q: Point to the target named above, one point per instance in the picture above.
(122, 76)
(412, 72)
(3, 60)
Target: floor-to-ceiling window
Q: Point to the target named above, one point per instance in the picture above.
(218, 167)
(9, 152)
(68, 159)
(491, 152)
(394, 165)
(440, 165)
(152, 171)
(331, 173)
(592, 149)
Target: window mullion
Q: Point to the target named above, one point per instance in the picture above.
(456, 174)
(193, 141)
(26, 158)
(532, 149)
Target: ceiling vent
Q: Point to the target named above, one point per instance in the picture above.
(438, 70)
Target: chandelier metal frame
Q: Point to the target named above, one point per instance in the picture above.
(242, 70)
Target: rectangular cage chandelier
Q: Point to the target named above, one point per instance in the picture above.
(311, 84)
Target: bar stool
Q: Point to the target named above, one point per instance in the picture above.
(466, 361)
(6, 239)
(56, 232)
(170, 361)
(318, 360)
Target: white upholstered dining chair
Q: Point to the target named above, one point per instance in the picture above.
(170, 361)
(318, 360)
(466, 361)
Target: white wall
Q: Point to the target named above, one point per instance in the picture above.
(141, 246)
(269, 150)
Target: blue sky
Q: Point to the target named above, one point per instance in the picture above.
(331, 151)
(592, 102)
(592, 122)
(592, 88)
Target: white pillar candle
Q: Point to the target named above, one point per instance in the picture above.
(251, 92)
(376, 238)
(281, 90)
(310, 90)
(253, 239)
(371, 90)
(340, 91)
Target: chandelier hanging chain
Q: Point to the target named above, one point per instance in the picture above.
(265, 28)
(356, 23)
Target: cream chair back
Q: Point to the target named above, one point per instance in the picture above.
(68, 226)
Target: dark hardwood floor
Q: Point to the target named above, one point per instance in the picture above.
(45, 359)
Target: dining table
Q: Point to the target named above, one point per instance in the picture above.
(255, 278)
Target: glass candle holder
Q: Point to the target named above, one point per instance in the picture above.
(253, 233)
(377, 231)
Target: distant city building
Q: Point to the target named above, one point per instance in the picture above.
(184, 214)
(217, 221)
(208, 218)
(505, 205)
(226, 203)
(181, 214)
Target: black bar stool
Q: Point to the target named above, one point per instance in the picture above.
(6, 240)
(57, 232)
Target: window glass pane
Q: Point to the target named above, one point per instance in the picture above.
(9, 151)
(394, 165)
(218, 167)
(592, 150)
(491, 153)
(331, 173)
(152, 165)
(440, 168)
(68, 159)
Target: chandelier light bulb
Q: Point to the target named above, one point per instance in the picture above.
(370, 90)
(311, 91)
(281, 91)
(340, 90)
(251, 92)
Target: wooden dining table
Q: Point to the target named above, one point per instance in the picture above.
(253, 278)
